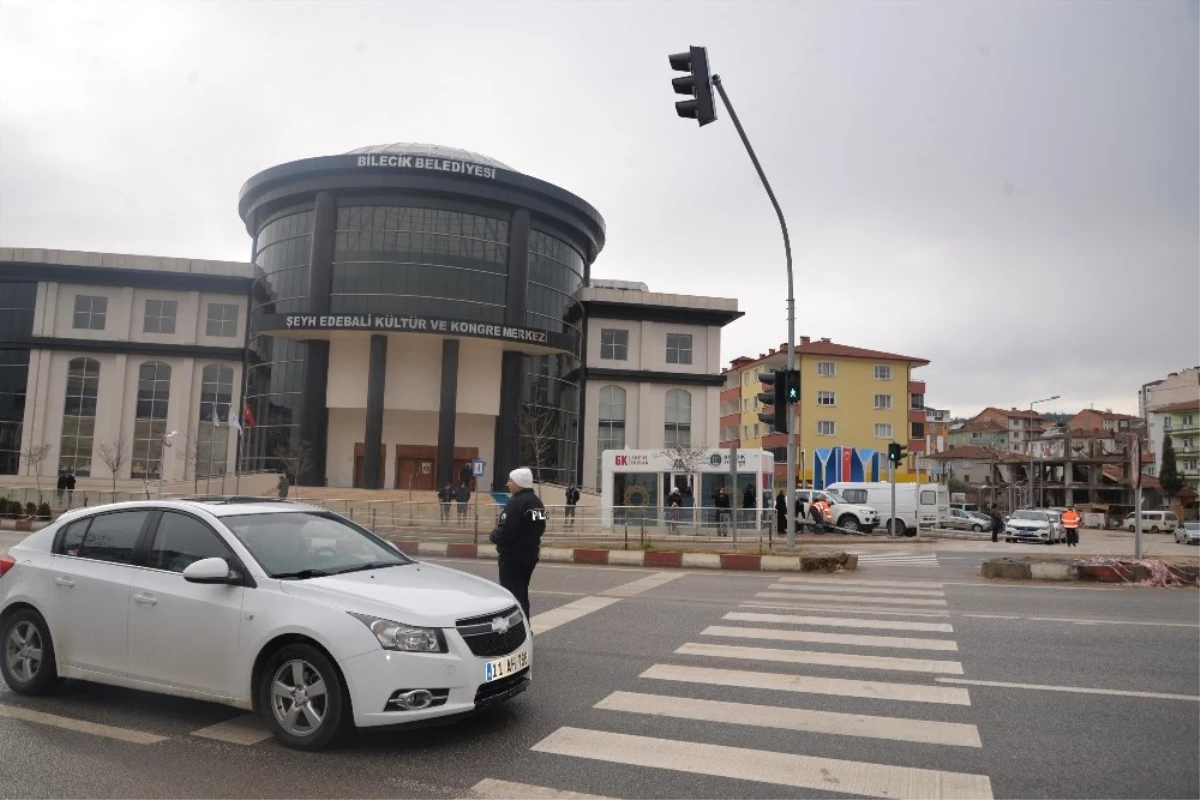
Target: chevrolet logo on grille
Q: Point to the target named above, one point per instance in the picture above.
(500, 625)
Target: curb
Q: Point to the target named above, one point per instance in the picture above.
(1098, 569)
(825, 562)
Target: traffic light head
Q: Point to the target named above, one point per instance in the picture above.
(896, 454)
(697, 84)
(776, 398)
(793, 385)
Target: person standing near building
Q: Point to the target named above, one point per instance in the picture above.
(572, 500)
(463, 496)
(62, 485)
(1071, 521)
(445, 495)
(70, 488)
(749, 501)
(518, 536)
(674, 507)
(997, 522)
(724, 512)
(781, 512)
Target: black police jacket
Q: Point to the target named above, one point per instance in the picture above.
(519, 532)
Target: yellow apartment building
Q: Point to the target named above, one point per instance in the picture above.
(853, 403)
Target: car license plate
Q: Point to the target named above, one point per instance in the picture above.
(503, 667)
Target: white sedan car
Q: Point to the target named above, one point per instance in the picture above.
(289, 610)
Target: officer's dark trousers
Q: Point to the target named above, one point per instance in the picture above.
(515, 574)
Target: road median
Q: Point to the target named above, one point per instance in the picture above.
(1095, 569)
(681, 558)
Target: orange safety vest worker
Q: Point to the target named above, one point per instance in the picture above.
(826, 511)
(1070, 520)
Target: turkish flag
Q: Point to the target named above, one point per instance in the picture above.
(846, 474)
(248, 416)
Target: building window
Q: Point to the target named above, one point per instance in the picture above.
(222, 320)
(614, 345)
(826, 398)
(883, 372)
(1190, 465)
(826, 427)
(679, 348)
(90, 313)
(918, 430)
(1188, 421)
(211, 447)
(79, 416)
(745, 431)
(611, 435)
(745, 405)
(756, 430)
(14, 374)
(746, 378)
(883, 401)
(160, 316)
(678, 431)
(1166, 422)
(918, 402)
(883, 430)
(826, 369)
(1189, 442)
(150, 425)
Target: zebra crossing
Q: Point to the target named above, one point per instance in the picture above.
(898, 558)
(773, 693)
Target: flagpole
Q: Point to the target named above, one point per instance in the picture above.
(225, 467)
(212, 424)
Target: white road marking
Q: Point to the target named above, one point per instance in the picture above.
(808, 596)
(850, 660)
(247, 729)
(780, 769)
(641, 585)
(549, 620)
(795, 719)
(904, 559)
(1087, 621)
(792, 587)
(1075, 689)
(776, 634)
(842, 622)
(507, 790)
(80, 726)
(839, 687)
(823, 582)
(845, 609)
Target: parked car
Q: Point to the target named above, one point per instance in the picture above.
(1188, 533)
(1153, 521)
(965, 521)
(1035, 524)
(850, 516)
(292, 611)
(915, 502)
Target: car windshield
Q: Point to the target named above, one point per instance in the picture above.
(1036, 516)
(311, 544)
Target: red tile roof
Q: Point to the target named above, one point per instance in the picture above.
(1186, 405)
(1026, 414)
(831, 349)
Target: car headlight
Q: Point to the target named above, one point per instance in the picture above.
(408, 638)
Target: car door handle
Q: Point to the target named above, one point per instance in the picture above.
(145, 599)
(63, 580)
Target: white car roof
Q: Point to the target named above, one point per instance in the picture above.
(216, 506)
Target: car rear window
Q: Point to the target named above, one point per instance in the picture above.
(112, 537)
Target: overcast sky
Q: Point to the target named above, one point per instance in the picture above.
(1009, 190)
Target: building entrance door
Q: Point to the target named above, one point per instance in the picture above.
(358, 464)
(418, 474)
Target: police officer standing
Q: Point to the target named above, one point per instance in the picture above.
(518, 536)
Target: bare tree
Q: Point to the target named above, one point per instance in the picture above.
(33, 456)
(115, 454)
(685, 457)
(188, 451)
(297, 458)
(538, 429)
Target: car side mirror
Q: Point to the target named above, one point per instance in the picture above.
(207, 570)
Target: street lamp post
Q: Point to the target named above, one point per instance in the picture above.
(1029, 434)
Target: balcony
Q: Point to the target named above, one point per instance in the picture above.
(916, 387)
(730, 420)
(732, 393)
(772, 440)
(916, 415)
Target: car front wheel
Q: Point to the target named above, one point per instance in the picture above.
(303, 699)
(977, 528)
(28, 664)
(848, 523)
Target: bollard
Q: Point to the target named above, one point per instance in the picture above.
(643, 521)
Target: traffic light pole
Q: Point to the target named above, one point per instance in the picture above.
(791, 311)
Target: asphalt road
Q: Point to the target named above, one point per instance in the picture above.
(662, 693)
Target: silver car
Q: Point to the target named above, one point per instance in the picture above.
(1188, 533)
(966, 521)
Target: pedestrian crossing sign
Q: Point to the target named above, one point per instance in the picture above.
(478, 466)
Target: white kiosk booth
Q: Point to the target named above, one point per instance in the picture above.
(636, 483)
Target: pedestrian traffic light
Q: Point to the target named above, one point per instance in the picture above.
(776, 399)
(696, 84)
(896, 454)
(793, 385)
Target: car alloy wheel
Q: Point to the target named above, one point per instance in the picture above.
(299, 698)
(27, 661)
(977, 528)
(848, 523)
(23, 651)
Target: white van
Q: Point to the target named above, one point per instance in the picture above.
(1153, 521)
(927, 502)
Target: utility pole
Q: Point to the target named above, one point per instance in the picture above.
(1033, 503)
(698, 86)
